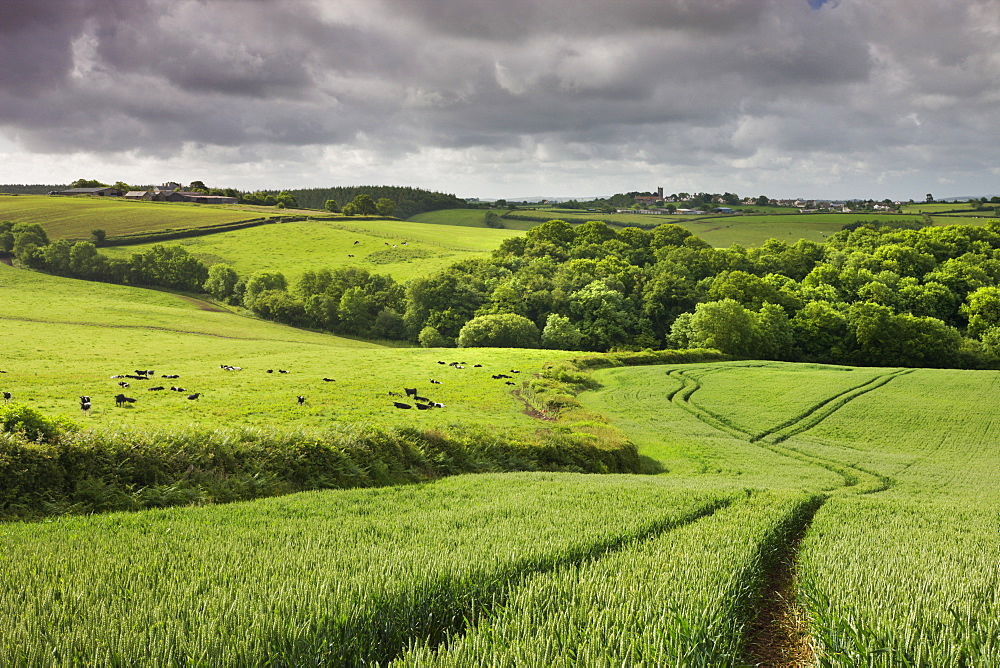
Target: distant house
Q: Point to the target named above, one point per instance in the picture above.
(97, 192)
(139, 195)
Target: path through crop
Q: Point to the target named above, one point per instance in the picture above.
(779, 635)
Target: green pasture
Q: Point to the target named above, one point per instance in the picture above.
(402, 250)
(911, 452)
(937, 207)
(75, 217)
(65, 338)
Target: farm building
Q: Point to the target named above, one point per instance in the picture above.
(98, 192)
(163, 195)
(139, 195)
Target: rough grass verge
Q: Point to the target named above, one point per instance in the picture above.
(100, 471)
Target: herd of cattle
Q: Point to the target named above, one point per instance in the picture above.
(123, 401)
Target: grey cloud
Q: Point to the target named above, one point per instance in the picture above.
(681, 81)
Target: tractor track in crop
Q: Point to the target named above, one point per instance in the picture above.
(856, 478)
(778, 636)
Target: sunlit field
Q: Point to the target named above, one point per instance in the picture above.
(402, 250)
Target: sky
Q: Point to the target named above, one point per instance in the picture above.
(505, 99)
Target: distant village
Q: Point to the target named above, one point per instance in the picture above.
(663, 205)
(168, 192)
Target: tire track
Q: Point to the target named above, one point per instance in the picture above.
(855, 477)
(824, 409)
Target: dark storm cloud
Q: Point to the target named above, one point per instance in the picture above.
(679, 81)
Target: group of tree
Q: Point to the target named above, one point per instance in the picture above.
(925, 297)
(363, 205)
(406, 201)
(160, 266)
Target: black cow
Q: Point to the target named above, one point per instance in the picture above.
(140, 372)
(410, 391)
(435, 382)
(194, 396)
(476, 366)
(424, 407)
(301, 399)
(395, 394)
(154, 389)
(329, 380)
(282, 371)
(270, 370)
(85, 406)
(178, 389)
(172, 375)
(122, 383)
(120, 399)
(440, 362)
(400, 404)
(507, 382)
(356, 243)
(424, 399)
(84, 399)
(6, 397)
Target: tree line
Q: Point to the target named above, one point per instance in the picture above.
(408, 201)
(869, 296)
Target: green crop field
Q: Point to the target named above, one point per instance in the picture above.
(402, 250)
(915, 454)
(936, 207)
(65, 338)
(75, 217)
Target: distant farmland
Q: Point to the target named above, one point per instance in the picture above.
(75, 217)
(402, 250)
(720, 231)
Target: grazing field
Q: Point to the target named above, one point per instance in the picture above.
(75, 217)
(916, 457)
(402, 250)
(64, 338)
(937, 207)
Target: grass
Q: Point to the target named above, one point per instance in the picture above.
(75, 217)
(922, 590)
(332, 578)
(65, 338)
(293, 248)
(684, 597)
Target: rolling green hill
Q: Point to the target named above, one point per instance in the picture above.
(75, 217)
(65, 338)
(402, 250)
